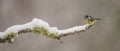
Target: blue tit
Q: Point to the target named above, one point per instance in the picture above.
(90, 20)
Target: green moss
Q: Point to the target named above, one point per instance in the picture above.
(38, 30)
(43, 31)
(8, 38)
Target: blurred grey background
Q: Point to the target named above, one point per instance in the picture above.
(103, 36)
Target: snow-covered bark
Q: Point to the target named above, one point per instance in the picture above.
(40, 27)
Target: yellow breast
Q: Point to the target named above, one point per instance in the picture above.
(89, 22)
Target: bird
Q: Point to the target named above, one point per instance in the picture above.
(90, 20)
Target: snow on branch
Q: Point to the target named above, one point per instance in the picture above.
(39, 26)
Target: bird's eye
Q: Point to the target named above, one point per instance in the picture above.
(86, 17)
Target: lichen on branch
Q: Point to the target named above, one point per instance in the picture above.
(39, 27)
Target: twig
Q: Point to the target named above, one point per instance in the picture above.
(39, 26)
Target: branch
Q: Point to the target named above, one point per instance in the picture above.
(39, 26)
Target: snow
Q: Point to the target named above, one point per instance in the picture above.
(73, 29)
(35, 22)
(53, 30)
(38, 22)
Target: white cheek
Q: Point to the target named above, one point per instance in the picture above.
(89, 18)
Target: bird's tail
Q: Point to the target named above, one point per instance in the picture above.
(97, 19)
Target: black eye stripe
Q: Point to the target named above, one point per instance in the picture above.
(86, 17)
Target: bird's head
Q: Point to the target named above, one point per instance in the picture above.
(90, 20)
